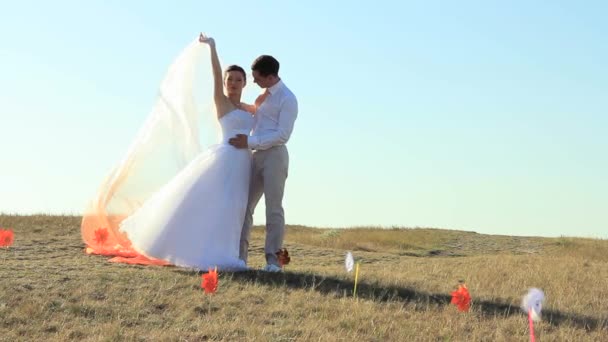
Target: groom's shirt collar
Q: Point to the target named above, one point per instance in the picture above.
(272, 90)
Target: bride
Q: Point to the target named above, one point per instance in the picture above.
(166, 203)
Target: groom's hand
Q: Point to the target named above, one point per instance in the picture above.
(239, 141)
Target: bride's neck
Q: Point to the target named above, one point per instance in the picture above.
(235, 99)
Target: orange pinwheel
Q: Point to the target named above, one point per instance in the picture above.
(283, 256)
(209, 283)
(6, 237)
(461, 298)
(101, 236)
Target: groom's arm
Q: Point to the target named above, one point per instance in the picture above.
(287, 119)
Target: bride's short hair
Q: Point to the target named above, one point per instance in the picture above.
(235, 67)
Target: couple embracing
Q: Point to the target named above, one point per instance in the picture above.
(202, 216)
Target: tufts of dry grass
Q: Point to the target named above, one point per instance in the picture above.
(51, 290)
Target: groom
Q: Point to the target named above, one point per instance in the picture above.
(277, 109)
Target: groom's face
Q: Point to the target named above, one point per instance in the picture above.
(262, 81)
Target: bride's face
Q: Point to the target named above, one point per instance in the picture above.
(234, 82)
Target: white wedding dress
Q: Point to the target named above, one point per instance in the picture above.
(168, 201)
(195, 220)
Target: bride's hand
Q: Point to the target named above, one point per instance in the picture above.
(207, 40)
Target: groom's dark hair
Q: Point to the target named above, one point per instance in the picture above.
(235, 67)
(266, 65)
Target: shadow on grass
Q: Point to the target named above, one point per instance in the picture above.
(344, 288)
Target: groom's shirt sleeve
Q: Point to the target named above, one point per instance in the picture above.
(286, 117)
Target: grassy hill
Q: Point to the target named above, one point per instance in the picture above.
(50, 290)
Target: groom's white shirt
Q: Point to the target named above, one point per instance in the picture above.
(274, 119)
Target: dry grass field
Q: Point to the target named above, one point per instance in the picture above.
(51, 291)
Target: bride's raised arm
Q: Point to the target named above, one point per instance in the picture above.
(221, 101)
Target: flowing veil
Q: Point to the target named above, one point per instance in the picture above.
(167, 141)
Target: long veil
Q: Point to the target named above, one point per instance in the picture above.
(167, 141)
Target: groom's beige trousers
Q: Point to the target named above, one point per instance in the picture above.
(268, 175)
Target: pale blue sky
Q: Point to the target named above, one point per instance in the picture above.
(488, 116)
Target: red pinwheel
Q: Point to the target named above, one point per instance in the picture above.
(461, 298)
(210, 281)
(101, 236)
(7, 237)
(283, 256)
